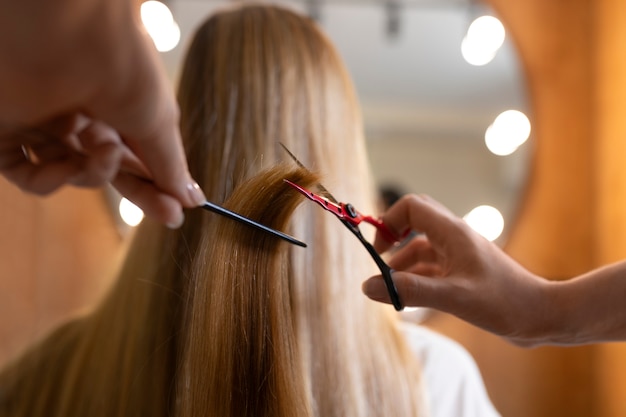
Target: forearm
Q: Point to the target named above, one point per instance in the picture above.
(590, 308)
(32, 26)
(48, 44)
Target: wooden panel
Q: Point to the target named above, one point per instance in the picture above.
(553, 234)
(17, 269)
(546, 381)
(574, 215)
(58, 257)
(610, 139)
(610, 130)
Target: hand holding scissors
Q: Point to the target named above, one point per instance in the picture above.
(351, 218)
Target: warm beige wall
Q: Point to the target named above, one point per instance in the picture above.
(554, 42)
(610, 160)
(57, 257)
(573, 217)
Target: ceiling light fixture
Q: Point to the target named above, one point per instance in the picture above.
(393, 12)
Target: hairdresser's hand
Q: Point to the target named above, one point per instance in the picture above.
(454, 269)
(90, 58)
(76, 150)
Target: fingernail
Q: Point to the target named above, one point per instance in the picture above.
(196, 194)
(178, 222)
(375, 289)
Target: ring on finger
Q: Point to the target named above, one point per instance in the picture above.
(29, 154)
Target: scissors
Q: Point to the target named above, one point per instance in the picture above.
(351, 218)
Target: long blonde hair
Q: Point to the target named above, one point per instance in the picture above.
(214, 319)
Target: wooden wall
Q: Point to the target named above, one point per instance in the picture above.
(573, 216)
(58, 255)
(610, 181)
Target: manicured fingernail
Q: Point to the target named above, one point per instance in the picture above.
(196, 194)
(177, 223)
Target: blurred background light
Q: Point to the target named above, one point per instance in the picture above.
(508, 132)
(484, 38)
(160, 24)
(130, 213)
(486, 220)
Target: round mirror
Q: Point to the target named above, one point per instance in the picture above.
(426, 108)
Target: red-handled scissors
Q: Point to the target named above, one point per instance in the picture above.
(351, 218)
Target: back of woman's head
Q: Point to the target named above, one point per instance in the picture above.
(256, 76)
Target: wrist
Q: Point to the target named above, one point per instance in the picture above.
(536, 321)
(551, 324)
(565, 315)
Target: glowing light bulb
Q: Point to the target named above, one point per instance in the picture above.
(488, 31)
(130, 213)
(160, 24)
(484, 37)
(486, 220)
(507, 132)
(475, 54)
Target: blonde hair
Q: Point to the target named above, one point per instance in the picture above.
(215, 318)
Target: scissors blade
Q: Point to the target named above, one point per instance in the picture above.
(351, 221)
(242, 219)
(335, 208)
(322, 189)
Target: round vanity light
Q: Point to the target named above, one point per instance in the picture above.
(484, 37)
(507, 132)
(160, 24)
(486, 220)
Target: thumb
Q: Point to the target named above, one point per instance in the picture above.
(414, 290)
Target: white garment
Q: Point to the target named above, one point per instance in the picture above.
(452, 380)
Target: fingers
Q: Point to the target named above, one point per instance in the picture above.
(69, 149)
(112, 160)
(104, 147)
(420, 213)
(416, 250)
(74, 149)
(154, 202)
(145, 112)
(414, 290)
(163, 157)
(21, 162)
(118, 80)
(103, 150)
(41, 179)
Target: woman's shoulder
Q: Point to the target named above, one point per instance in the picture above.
(453, 383)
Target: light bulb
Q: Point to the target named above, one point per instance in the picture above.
(486, 220)
(160, 24)
(484, 37)
(507, 132)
